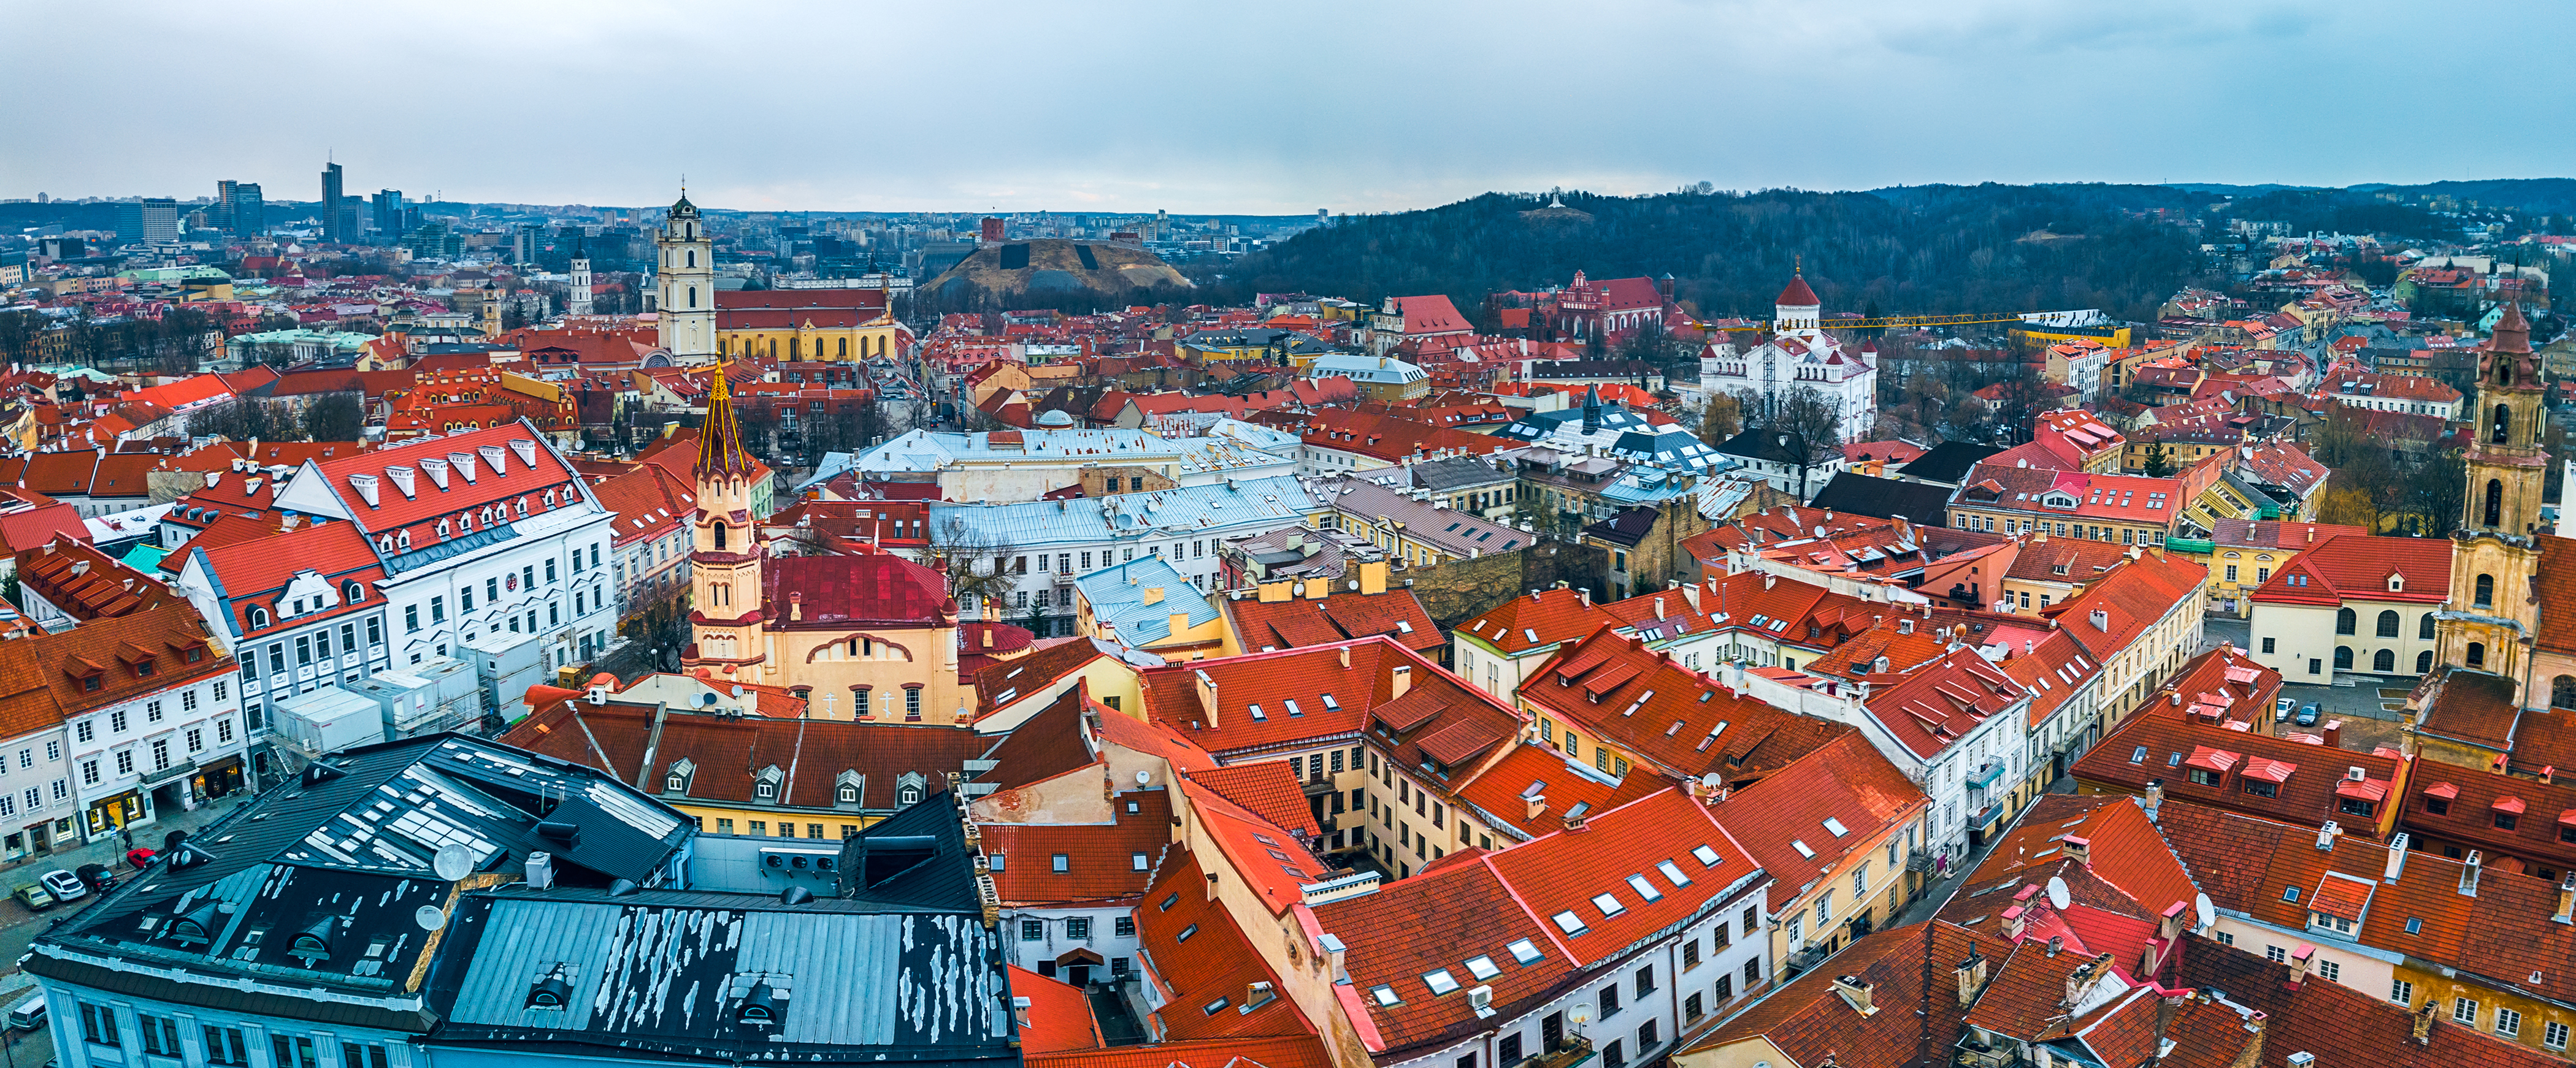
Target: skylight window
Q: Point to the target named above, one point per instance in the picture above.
(1293, 710)
(1569, 923)
(1644, 888)
(1801, 847)
(1483, 968)
(1385, 995)
(1707, 857)
(1608, 904)
(1256, 713)
(1331, 705)
(2138, 755)
(1672, 873)
(1440, 981)
(1836, 826)
(1526, 952)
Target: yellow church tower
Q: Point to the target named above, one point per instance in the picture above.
(725, 563)
(2494, 608)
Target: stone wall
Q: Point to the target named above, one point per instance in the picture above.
(1460, 590)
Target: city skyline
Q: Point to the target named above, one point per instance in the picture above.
(1205, 112)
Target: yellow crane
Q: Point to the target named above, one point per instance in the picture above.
(1889, 321)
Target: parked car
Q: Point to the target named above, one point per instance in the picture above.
(29, 1014)
(2281, 707)
(64, 885)
(97, 876)
(33, 896)
(2307, 715)
(139, 858)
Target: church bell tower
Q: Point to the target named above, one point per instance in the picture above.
(724, 565)
(688, 291)
(2495, 561)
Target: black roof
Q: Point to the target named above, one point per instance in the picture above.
(1948, 461)
(325, 881)
(891, 962)
(1457, 472)
(1628, 527)
(1886, 498)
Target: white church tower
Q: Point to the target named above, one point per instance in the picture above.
(688, 290)
(577, 301)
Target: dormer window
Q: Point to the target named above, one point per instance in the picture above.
(765, 790)
(353, 592)
(309, 946)
(553, 990)
(761, 1005)
(2396, 583)
(403, 539)
(676, 783)
(258, 617)
(848, 794)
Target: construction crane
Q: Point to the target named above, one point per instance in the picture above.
(1899, 321)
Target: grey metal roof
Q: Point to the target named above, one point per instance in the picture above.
(1118, 594)
(1457, 472)
(1193, 511)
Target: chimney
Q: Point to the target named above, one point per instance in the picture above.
(1536, 803)
(2396, 858)
(1855, 993)
(1346, 657)
(2334, 734)
(2078, 848)
(402, 477)
(2327, 834)
(2056, 945)
(1971, 975)
(795, 605)
(1152, 595)
(1585, 594)
(2424, 1023)
(2303, 1059)
(1020, 1011)
(367, 488)
(1659, 608)
(2155, 798)
(1690, 595)
(2566, 900)
(2169, 924)
(541, 871)
(1400, 681)
(2016, 919)
(2300, 960)
(2469, 875)
(1207, 698)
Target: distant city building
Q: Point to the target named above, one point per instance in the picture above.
(331, 197)
(150, 220)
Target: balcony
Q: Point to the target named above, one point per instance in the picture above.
(1568, 1052)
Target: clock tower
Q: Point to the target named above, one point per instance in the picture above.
(687, 267)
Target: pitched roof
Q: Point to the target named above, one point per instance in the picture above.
(1911, 966)
(2309, 782)
(1612, 688)
(518, 468)
(729, 754)
(840, 591)
(1802, 820)
(1059, 1017)
(1938, 704)
(1194, 949)
(1885, 498)
(1287, 624)
(1537, 621)
(2361, 567)
(2338, 1024)
(1100, 859)
(1534, 773)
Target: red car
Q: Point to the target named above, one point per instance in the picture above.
(139, 858)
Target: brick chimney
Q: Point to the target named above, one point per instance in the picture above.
(2300, 960)
(2566, 900)
(2078, 848)
(2155, 798)
(2334, 734)
(2396, 858)
(1401, 681)
(2469, 875)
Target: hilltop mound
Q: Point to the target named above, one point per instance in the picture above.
(1056, 265)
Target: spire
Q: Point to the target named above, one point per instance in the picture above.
(1591, 409)
(2512, 331)
(720, 451)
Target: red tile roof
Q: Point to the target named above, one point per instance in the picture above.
(1100, 859)
(515, 479)
(1269, 789)
(1576, 875)
(728, 753)
(2156, 744)
(1537, 621)
(1847, 781)
(1287, 1051)
(2338, 1024)
(1396, 613)
(1439, 920)
(1194, 951)
(1334, 689)
(2360, 567)
(1938, 704)
(1269, 858)
(1530, 770)
(1906, 969)
(41, 675)
(875, 589)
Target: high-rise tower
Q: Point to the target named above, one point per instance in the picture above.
(331, 231)
(2494, 605)
(688, 289)
(725, 623)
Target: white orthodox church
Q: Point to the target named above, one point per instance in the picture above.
(1799, 354)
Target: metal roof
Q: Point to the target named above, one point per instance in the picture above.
(1252, 504)
(1118, 594)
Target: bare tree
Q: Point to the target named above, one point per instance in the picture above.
(979, 565)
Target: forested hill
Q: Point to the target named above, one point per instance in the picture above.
(1918, 250)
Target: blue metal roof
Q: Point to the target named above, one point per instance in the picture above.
(1119, 595)
(1253, 504)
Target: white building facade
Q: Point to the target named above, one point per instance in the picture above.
(1799, 355)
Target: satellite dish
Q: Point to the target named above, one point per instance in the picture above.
(1144, 777)
(429, 918)
(452, 863)
(2058, 898)
(2207, 913)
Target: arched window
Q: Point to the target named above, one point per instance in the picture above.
(693, 290)
(2562, 692)
(849, 793)
(2477, 654)
(2424, 662)
(793, 347)
(2503, 374)
(693, 260)
(2384, 661)
(2347, 621)
(841, 348)
(909, 795)
(258, 618)
(2486, 591)
(720, 537)
(2343, 658)
(2424, 627)
(2387, 624)
(2499, 431)
(2495, 503)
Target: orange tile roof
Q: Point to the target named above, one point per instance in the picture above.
(1582, 882)
(2156, 744)
(1059, 1016)
(1194, 950)
(1269, 788)
(1396, 613)
(1269, 858)
(1536, 621)
(1502, 791)
(1847, 781)
(1611, 687)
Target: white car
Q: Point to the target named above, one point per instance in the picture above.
(64, 885)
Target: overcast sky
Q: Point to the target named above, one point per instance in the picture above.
(1269, 108)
